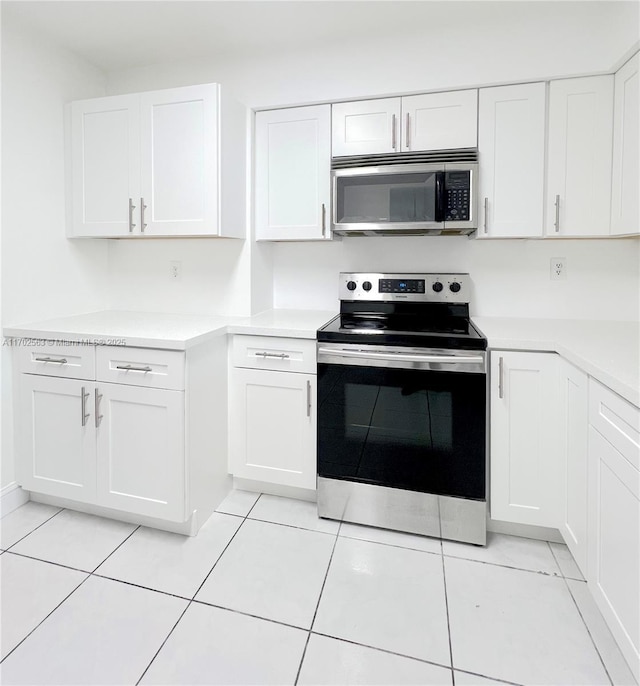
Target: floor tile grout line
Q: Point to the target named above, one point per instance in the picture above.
(446, 605)
(49, 562)
(144, 588)
(55, 514)
(315, 612)
(391, 545)
(290, 526)
(551, 575)
(116, 548)
(491, 678)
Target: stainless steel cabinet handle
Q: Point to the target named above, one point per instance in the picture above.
(131, 368)
(394, 142)
(131, 208)
(324, 219)
(61, 360)
(83, 406)
(486, 213)
(500, 378)
(280, 356)
(143, 207)
(408, 131)
(556, 224)
(98, 416)
(308, 398)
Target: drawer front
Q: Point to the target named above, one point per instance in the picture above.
(141, 367)
(617, 420)
(69, 361)
(270, 352)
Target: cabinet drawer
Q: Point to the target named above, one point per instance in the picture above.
(267, 352)
(617, 420)
(141, 367)
(69, 361)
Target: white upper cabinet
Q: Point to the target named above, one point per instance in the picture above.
(578, 198)
(625, 200)
(293, 166)
(150, 164)
(434, 121)
(365, 127)
(511, 145)
(438, 121)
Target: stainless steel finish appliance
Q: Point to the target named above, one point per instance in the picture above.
(411, 194)
(402, 391)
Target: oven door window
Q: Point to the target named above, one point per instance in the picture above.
(386, 198)
(417, 430)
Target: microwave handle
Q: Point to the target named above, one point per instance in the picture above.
(440, 197)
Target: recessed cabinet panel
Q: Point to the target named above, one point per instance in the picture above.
(579, 159)
(293, 159)
(365, 127)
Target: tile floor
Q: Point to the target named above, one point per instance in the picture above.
(267, 593)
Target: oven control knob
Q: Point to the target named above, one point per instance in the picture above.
(454, 287)
(351, 285)
(437, 286)
(367, 285)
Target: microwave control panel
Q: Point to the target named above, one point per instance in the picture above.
(457, 195)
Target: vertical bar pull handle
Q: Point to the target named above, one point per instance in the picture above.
(556, 224)
(83, 406)
(98, 416)
(143, 207)
(394, 141)
(486, 213)
(408, 131)
(324, 219)
(308, 398)
(501, 378)
(131, 208)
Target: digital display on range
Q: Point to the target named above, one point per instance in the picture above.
(401, 285)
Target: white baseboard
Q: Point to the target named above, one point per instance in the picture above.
(12, 497)
(274, 489)
(540, 533)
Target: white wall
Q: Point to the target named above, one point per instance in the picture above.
(43, 274)
(525, 41)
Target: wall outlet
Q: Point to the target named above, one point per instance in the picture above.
(175, 271)
(558, 268)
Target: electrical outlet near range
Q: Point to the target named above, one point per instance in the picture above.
(558, 268)
(175, 270)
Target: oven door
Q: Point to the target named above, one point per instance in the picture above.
(403, 418)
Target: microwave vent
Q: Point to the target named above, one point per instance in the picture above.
(423, 157)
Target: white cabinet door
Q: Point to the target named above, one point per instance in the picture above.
(525, 454)
(365, 127)
(438, 121)
(625, 201)
(578, 201)
(614, 544)
(105, 152)
(179, 153)
(293, 165)
(273, 427)
(574, 423)
(511, 144)
(57, 437)
(140, 458)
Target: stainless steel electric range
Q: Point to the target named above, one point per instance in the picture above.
(402, 398)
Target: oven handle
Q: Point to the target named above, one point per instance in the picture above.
(457, 359)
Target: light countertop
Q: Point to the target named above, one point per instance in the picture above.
(607, 351)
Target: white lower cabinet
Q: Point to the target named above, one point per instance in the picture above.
(273, 411)
(525, 450)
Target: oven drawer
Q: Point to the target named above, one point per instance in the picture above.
(70, 361)
(141, 367)
(270, 352)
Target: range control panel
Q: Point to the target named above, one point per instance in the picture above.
(410, 287)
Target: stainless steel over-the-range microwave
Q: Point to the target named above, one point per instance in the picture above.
(400, 198)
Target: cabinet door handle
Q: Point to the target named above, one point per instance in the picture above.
(556, 224)
(486, 213)
(131, 368)
(98, 398)
(61, 360)
(324, 219)
(408, 132)
(394, 142)
(143, 207)
(500, 378)
(308, 398)
(83, 406)
(131, 208)
(280, 356)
